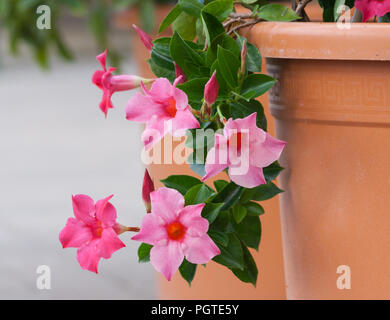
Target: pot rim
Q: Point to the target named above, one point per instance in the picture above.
(321, 40)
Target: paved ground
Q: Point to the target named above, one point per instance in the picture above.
(54, 142)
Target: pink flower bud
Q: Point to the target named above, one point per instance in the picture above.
(211, 89)
(144, 37)
(179, 72)
(147, 188)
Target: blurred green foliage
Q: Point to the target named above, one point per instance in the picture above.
(18, 20)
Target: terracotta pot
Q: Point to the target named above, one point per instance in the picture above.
(332, 106)
(215, 281)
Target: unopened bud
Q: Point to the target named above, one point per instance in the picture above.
(211, 90)
(147, 188)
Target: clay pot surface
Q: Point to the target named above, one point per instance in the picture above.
(332, 106)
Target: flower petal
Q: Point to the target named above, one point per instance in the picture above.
(263, 154)
(217, 157)
(152, 230)
(75, 234)
(106, 212)
(166, 203)
(83, 208)
(190, 217)
(180, 98)
(253, 178)
(167, 259)
(183, 120)
(87, 256)
(200, 250)
(142, 108)
(161, 90)
(109, 243)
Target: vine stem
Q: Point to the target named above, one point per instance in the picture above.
(243, 25)
(301, 6)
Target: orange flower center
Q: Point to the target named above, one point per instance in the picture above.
(171, 107)
(176, 230)
(98, 229)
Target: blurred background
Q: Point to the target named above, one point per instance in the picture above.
(55, 142)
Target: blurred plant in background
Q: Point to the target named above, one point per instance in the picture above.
(18, 19)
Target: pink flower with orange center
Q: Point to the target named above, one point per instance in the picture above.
(164, 109)
(175, 231)
(94, 231)
(110, 83)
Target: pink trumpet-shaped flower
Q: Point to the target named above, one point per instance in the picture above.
(211, 89)
(245, 149)
(109, 83)
(179, 72)
(175, 231)
(164, 109)
(144, 37)
(371, 8)
(94, 231)
(147, 188)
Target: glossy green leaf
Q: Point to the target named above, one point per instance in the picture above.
(228, 66)
(249, 231)
(144, 252)
(272, 171)
(253, 56)
(170, 18)
(255, 85)
(185, 25)
(225, 42)
(192, 7)
(220, 184)
(211, 26)
(194, 88)
(254, 209)
(181, 183)
(229, 195)
(187, 271)
(250, 273)
(219, 9)
(239, 213)
(198, 194)
(231, 255)
(219, 237)
(277, 12)
(265, 191)
(211, 210)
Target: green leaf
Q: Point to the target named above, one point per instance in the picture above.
(144, 252)
(225, 42)
(219, 237)
(272, 171)
(170, 18)
(255, 85)
(211, 26)
(229, 195)
(254, 209)
(160, 60)
(185, 25)
(232, 255)
(249, 231)
(198, 194)
(250, 272)
(220, 184)
(253, 56)
(239, 213)
(181, 183)
(219, 9)
(277, 12)
(185, 56)
(211, 210)
(228, 66)
(192, 7)
(265, 191)
(194, 88)
(187, 271)
(241, 109)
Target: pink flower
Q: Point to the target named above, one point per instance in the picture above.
(179, 72)
(175, 231)
(370, 8)
(245, 149)
(164, 109)
(144, 37)
(147, 188)
(211, 90)
(109, 83)
(93, 230)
